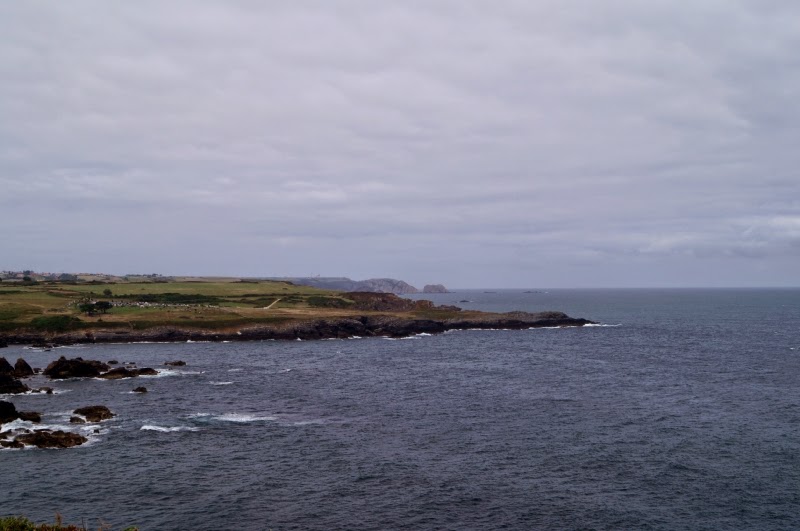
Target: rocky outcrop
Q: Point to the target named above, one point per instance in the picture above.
(94, 413)
(176, 363)
(434, 288)
(8, 412)
(140, 390)
(118, 373)
(30, 416)
(51, 439)
(11, 386)
(22, 369)
(6, 367)
(3, 343)
(63, 368)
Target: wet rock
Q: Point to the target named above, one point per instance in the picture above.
(11, 386)
(112, 362)
(3, 343)
(30, 416)
(140, 390)
(76, 420)
(22, 369)
(8, 412)
(46, 390)
(118, 373)
(147, 371)
(12, 444)
(63, 368)
(51, 439)
(94, 413)
(5, 367)
(176, 363)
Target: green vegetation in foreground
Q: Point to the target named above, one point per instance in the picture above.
(52, 307)
(20, 523)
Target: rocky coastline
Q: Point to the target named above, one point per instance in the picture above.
(309, 329)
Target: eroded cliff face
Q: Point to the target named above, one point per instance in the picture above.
(434, 288)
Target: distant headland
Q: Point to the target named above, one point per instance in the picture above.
(100, 309)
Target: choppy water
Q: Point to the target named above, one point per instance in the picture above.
(685, 416)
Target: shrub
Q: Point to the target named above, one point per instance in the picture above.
(56, 323)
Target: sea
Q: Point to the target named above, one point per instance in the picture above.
(679, 410)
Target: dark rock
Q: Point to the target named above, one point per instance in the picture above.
(5, 367)
(22, 369)
(47, 390)
(52, 439)
(75, 368)
(434, 288)
(12, 444)
(140, 390)
(30, 416)
(118, 373)
(8, 412)
(11, 386)
(94, 413)
(146, 371)
(76, 420)
(112, 362)
(176, 363)
(3, 343)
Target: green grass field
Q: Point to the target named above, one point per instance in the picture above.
(186, 302)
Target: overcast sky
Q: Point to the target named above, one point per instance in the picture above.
(483, 143)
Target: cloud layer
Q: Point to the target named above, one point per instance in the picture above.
(509, 143)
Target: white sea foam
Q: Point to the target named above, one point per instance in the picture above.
(242, 418)
(235, 370)
(164, 429)
(601, 325)
(220, 383)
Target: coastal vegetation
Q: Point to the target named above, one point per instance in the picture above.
(20, 523)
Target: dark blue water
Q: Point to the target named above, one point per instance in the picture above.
(685, 416)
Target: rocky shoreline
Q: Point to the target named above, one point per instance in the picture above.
(310, 329)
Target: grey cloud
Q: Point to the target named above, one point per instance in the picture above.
(628, 142)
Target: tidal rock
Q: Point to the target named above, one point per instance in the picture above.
(22, 369)
(11, 386)
(46, 390)
(30, 416)
(12, 444)
(51, 439)
(434, 288)
(112, 362)
(140, 390)
(76, 420)
(176, 363)
(5, 367)
(118, 373)
(8, 412)
(146, 371)
(94, 413)
(75, 368)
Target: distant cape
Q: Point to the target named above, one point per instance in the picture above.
(374, 285)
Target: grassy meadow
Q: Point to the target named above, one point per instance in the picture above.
(188, 302)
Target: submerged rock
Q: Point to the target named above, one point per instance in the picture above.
(146, 371)
(51, 439)
(11, 386)
(176, 363)
(63, 368)
(140, 390)
(118, 373)
(22, 369)
(94, 413)
(76, 420)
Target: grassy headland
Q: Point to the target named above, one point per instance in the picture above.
(209, 308)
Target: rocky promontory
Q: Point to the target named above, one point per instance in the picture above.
(434, 288)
